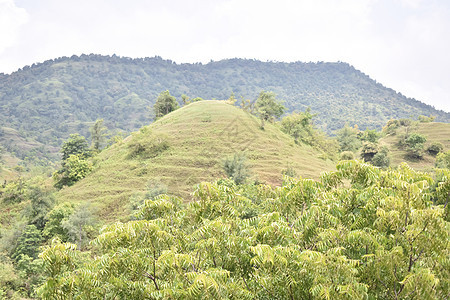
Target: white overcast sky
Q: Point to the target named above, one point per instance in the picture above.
(403, 44)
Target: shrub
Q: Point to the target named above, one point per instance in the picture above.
(368, 151)
(289, 171)
(236, 168)
(391, 126)
(14, 192)
(443, 160)
(425, 119)
(347, 155)
(415, 143)
(148, 149)
(381, 159)
(74, 169)
(435, 148)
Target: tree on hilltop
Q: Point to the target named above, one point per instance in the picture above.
(268, 107)
(165, 103)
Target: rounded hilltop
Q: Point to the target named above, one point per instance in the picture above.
(186, 147)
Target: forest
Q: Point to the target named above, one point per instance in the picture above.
(42, 104)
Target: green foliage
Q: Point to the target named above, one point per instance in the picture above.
(381, 159)
(357, 233)
(147, 147)
(425, 119)
(9, 279)
(443, 160)
(79, 226)
(164, 104)
(368, 151)
(415, 143)
(75, 167)
(46, 102)
(14, 192)
(59, 214)
(98, 135)
(347, 155)
(75, 145)
(299, 126)
(185, 99)
(289, 171)
(41, 204)
(196, 99)
(28, 243)
(435, 148)
(348, 139)
(268, 107)
(369, 135)
(391, 126)
(236, 167)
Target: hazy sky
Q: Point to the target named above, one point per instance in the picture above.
(403, 44)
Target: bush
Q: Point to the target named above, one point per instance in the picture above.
(443, 160)
(368, 151)
(236, 168)
(147, 149)
(391, 126)
(425, 119)
(289, 171)
(74, 169)
(435, 148)
(405, 122)
(14, 192)
(415, 143)
(347, 155)
(381, 159)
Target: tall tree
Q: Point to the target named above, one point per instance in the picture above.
(165, 103)
(348, 139)
(75, 145)
(268, 107)
(98, 135)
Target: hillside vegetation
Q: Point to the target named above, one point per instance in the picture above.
(46, 102)
(434, 132)
(357, 233)
(186, 147)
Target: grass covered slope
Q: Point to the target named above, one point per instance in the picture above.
(187, 147)
(434, 132)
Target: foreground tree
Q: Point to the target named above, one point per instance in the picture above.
(357, 233)
(165, 103)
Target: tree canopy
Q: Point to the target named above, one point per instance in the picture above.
(164, 104)
(357, 233)
(268, 107)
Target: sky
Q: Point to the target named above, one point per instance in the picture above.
(403, 44)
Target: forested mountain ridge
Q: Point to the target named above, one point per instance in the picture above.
(48, 101)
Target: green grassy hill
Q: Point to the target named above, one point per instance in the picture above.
(199, 136)
(48, 101)
(434, 132)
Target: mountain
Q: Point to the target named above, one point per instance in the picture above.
(186, 147)
(46, 102)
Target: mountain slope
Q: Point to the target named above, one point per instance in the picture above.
(48, 101)
(199, 136)
(434, 132)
